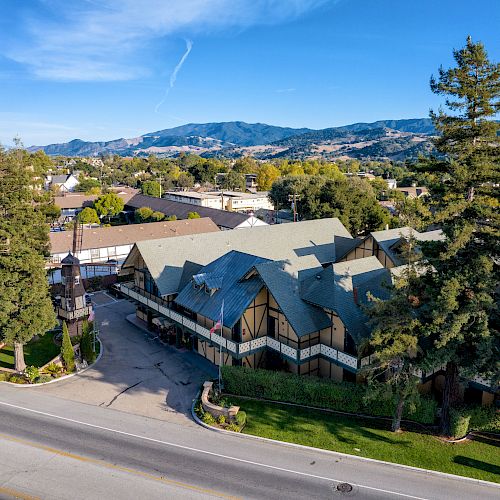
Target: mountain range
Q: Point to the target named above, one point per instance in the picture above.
(392, 139)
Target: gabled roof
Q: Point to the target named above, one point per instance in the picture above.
(343, 289)
(390, 239)
(103, 237)
(223, 218)
(309, 241)
(282, 279)
(60, 178)
(223, 276)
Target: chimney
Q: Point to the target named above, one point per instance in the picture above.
(355, 295)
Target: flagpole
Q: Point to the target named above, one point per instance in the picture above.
(220, 345)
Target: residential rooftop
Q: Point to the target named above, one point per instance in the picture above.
(102, 237)
(223, 218)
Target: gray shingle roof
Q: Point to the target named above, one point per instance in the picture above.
(282, 279)
(339, 286)
(390, 239)
(223, 218)
(224, 274)
(310, 242)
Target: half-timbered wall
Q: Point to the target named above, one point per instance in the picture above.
(367, 248)
(364, 249)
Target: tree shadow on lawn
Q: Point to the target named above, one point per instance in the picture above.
(477, 464)
(6, 357)
(307, 423)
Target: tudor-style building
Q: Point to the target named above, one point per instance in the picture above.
(291, 299)
(301, 312)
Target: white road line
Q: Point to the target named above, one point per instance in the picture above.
(205, 452)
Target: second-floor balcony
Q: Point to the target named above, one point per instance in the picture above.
(238, 349)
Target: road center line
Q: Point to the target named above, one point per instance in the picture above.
(205, 452)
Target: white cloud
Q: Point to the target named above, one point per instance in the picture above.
(90, 40)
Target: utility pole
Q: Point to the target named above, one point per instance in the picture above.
(159, 175)
(294, 198)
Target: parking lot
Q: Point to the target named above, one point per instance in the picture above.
(136, 374)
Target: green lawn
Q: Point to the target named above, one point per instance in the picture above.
(368, 438)
(36, 353)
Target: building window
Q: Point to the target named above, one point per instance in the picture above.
(77, 280)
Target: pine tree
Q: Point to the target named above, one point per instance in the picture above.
(25, 306)
(67, 352)
(395, 339)
(462, 283)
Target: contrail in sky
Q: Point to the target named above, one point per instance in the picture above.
(173, 76)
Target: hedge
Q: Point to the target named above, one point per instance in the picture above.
(459, 423)
(313, 391)
(480, 418)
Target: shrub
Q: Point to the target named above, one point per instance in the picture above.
(459, 423)
(67, 353)
(321, 393)
(32, 373)
(86, 343)
(481, 418)
(241, 419)
(43, 378)
(233, 427)
(4, 377)
(221, 419)
(208, 419)
(17, 379)
(53, 369)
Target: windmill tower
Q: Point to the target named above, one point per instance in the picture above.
(73, 308)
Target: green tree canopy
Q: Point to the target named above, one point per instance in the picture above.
(193, 215)
(233, 181)
(88, 185)
(462, 329)
(109, 205)
(157, 216)
(151, 188)
(267, 174)
(88, 216)
(352, 200)
(143, 214)
(25, 306)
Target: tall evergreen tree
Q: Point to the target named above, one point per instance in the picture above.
(462, 284)
(395, 339)
(25, 306)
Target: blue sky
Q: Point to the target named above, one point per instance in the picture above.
(103, 69)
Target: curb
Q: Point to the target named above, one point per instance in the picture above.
(65, 377)
(337, 453)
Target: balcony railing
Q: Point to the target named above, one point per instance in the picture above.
(239, 349)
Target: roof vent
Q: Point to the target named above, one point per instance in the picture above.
(318, 276)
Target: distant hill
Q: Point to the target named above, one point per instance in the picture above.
(381, 139)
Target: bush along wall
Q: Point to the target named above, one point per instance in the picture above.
(314, 391)
(474, 418)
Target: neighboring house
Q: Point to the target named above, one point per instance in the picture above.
(224, 219)
(63, 183)
(71, 204)
(232, 201)
(387, 245)
(101, 244)
(413, 191)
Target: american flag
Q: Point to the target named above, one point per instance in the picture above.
(218, 324)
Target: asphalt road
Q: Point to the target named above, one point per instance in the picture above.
(55, 448)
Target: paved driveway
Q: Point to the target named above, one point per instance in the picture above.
(136, 373)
